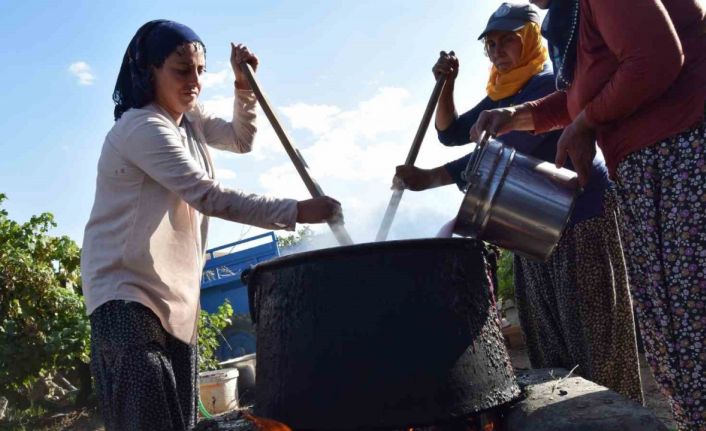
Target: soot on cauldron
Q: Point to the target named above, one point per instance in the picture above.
(378, 336)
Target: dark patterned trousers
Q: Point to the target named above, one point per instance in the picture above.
(575, 309)
(145, 378)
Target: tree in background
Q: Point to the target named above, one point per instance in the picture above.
(210, 335)
(43, 324)
(44, 329)
(303, 234)
(506, 282)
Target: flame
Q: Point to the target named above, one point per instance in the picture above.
(263, 424)
(484, 422)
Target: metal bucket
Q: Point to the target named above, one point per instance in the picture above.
(382, 335)
(516, 201)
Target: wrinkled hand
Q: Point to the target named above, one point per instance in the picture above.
(446, 65)
(319, 210)
(578, 142)
(495, 121)
(411, 177)
(240, 54)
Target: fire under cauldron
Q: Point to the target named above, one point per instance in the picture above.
(388, 335)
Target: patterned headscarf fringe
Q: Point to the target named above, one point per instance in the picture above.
(150, 46)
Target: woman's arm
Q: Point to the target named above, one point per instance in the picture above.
(446, 108)
(452, 129)
(156, 148)
(548, 113)
(457, 132)
(538, 87)
(418, 179)
(642, 37)
(501, 121)
(454, 169)
(447, 66)
(238, 134)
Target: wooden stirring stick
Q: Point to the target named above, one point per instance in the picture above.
(411, 158)
(338, 229)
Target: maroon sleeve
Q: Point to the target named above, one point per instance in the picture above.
(550, 112)
(642, 37)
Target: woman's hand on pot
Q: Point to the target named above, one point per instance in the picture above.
(319, 210)
(495, 121)
(417, 179)
(411, 178)
(578, 142)
(240, 54)
(500, 121)
(446, 65)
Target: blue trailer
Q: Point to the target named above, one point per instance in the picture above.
(221, 281)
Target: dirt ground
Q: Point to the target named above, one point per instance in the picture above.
(654, 400)
(81, 419)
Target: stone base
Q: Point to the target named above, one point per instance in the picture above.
(556, 402)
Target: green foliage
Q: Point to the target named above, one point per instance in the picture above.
(506, 283)
(43, 322)
(24, 420)
(210, 327)
(303, 234)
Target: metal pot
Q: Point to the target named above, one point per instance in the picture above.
(378, 335)
(516, 201)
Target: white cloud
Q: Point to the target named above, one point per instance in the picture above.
(316, 118)
(283, 180)
(216, 79)
(266, 140)
(220, 106)
(365, 143)
(353, 157)
(352, 152)
(83, 72)
(225, 174)
(387, 111)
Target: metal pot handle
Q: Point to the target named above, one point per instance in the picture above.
(485, 136)
(475, 159)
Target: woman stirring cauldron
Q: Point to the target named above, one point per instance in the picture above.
(574, 309)
(633, 78)
(143, 248)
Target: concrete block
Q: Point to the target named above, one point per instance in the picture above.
(555, 401)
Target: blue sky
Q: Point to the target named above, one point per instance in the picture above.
(349, 80)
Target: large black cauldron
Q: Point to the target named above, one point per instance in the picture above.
(378, 335)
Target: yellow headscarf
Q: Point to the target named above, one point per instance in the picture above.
(534, 55)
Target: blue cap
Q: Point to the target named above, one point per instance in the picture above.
(511, 17)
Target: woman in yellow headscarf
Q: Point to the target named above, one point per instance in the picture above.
(575, 309)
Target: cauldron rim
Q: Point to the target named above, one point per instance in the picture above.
(332, 252)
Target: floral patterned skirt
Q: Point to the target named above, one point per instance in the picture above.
(575, 309)
(662, 191)
(145, 378)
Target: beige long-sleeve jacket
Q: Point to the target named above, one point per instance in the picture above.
(146, 236)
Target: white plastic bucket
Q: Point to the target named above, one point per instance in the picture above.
(246, 377)
(219, 390)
